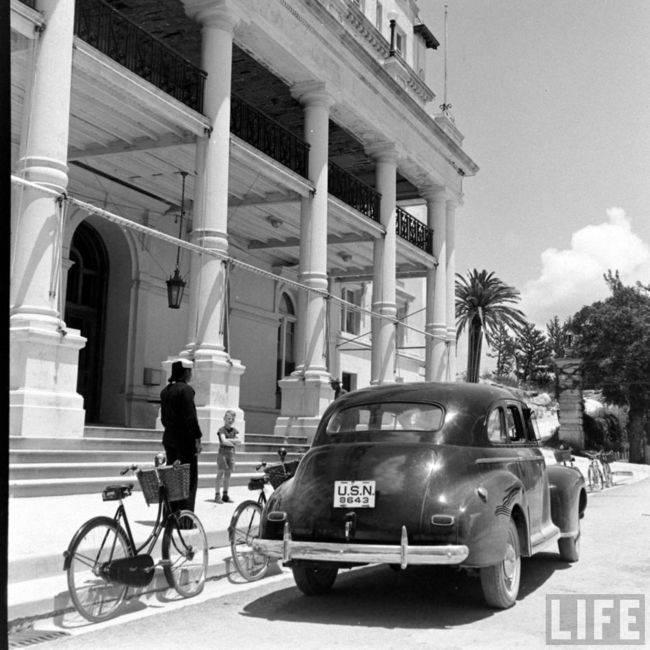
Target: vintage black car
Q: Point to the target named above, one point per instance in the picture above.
(424, 473)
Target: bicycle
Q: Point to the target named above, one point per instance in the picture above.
(606, 458)
(102, 560)
(245, 522)
(595, 475)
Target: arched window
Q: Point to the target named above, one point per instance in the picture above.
(286, 362)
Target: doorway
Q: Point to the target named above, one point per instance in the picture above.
(85, 311)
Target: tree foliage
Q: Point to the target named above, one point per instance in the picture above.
(503, 346)
(559, 336)
(532, 352)
(613, 340)
(483, 302)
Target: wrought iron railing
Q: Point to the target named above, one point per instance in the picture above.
(112, 33)
(267, 135)
(354, 192)
(414, 231)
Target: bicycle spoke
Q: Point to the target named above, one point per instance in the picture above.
(99, 542)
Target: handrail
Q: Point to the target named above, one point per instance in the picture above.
(267, 135)
(354, 192)
(414, 231)
(117, 36)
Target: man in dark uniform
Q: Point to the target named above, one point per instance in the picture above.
(182, 437)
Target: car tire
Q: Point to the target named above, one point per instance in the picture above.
(569, 547)
(314, 581)
(500, 582)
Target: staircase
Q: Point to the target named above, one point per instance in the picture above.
(56, 466)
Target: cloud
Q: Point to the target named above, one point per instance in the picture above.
(573, 278)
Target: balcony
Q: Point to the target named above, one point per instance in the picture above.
(266, 135)
(113, 34)
(414, 231)
(352, 191)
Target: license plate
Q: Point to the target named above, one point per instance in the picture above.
(354, 494)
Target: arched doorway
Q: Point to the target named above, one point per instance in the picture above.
(286, 361)
(85, 309)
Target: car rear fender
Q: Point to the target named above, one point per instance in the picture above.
(486, 520)
(568, 497)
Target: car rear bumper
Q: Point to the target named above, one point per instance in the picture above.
(403, 554)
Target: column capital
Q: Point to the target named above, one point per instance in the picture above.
(312, 93)
(382, 152)
(223, 14)
(434, 192)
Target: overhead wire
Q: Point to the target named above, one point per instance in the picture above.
(200, 250)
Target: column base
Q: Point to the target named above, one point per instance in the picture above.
(216, 380)
(304, 400)
(300, 426)
(43, 398)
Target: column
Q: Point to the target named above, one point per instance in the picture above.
(451, 289)
(436, 362)
(43, 352)
(216, 376)
(382, 367)
(306, 394)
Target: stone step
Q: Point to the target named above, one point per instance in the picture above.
(156, 434)
(98, 445)
(95, 484)
(104, 467)
(138, 457)
(121, 432)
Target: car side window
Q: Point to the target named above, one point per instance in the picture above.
(495, 427)
(515, 425)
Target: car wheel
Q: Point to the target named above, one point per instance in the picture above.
(500, 582)
(570, 547)
(314, 581)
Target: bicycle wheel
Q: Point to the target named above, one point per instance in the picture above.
(244, 528)
(96, 543)
(607, 474)
(185, 553)
(594, 479)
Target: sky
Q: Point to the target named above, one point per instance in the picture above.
(553, 99)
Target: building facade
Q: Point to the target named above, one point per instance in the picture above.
(280, 161)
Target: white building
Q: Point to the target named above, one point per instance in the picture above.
(284, 155)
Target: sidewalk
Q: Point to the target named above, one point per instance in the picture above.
(40, 530)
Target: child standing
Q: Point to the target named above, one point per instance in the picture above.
(226, 457)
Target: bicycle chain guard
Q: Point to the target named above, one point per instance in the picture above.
(134, 571)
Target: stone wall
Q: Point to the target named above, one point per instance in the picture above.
(571, 406)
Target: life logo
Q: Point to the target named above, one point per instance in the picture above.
(595, 619)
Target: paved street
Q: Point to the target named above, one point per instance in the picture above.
(376, 607)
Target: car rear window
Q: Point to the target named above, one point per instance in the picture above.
(406, 422)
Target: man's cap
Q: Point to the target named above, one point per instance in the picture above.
(178, 369)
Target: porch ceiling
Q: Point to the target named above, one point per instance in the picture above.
(130, 141)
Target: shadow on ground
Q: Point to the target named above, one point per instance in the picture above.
(418, 597)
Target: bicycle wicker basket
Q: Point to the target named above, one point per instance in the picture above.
(175, 478)
(278, 474)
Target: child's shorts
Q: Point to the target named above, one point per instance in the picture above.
(226, 460)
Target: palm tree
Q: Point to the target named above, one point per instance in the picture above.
(483, 302)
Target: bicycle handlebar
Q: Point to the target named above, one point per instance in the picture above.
(130, 468)
(157, 462)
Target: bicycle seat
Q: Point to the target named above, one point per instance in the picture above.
(116, 492)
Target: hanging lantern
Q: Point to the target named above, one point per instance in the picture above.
(175, 287)
(176, 284)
